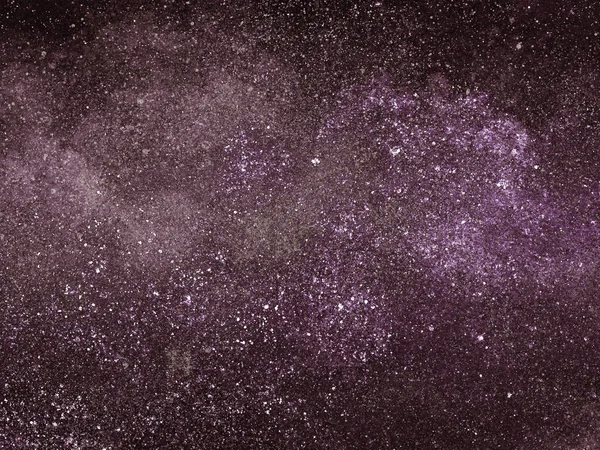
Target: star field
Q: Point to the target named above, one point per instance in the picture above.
(299, 225)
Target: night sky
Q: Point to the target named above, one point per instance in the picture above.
(299, 224)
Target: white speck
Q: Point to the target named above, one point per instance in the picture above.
(395, 150)
(437, 168)
(519, 45)
(97, 269)
(315, 161)
(155, 293)
(340, 306)
(509, 395)
(480, 337)
(462, 222)
(266, 306)
(502, 184)
(431, 328)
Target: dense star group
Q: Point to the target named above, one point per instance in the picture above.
(216, 233)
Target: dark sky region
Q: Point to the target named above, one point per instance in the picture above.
(299, 224)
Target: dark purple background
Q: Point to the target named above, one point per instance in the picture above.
(299, 225)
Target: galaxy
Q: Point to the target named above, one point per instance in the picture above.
(300, 224)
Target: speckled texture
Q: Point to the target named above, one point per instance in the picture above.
(320, 225)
